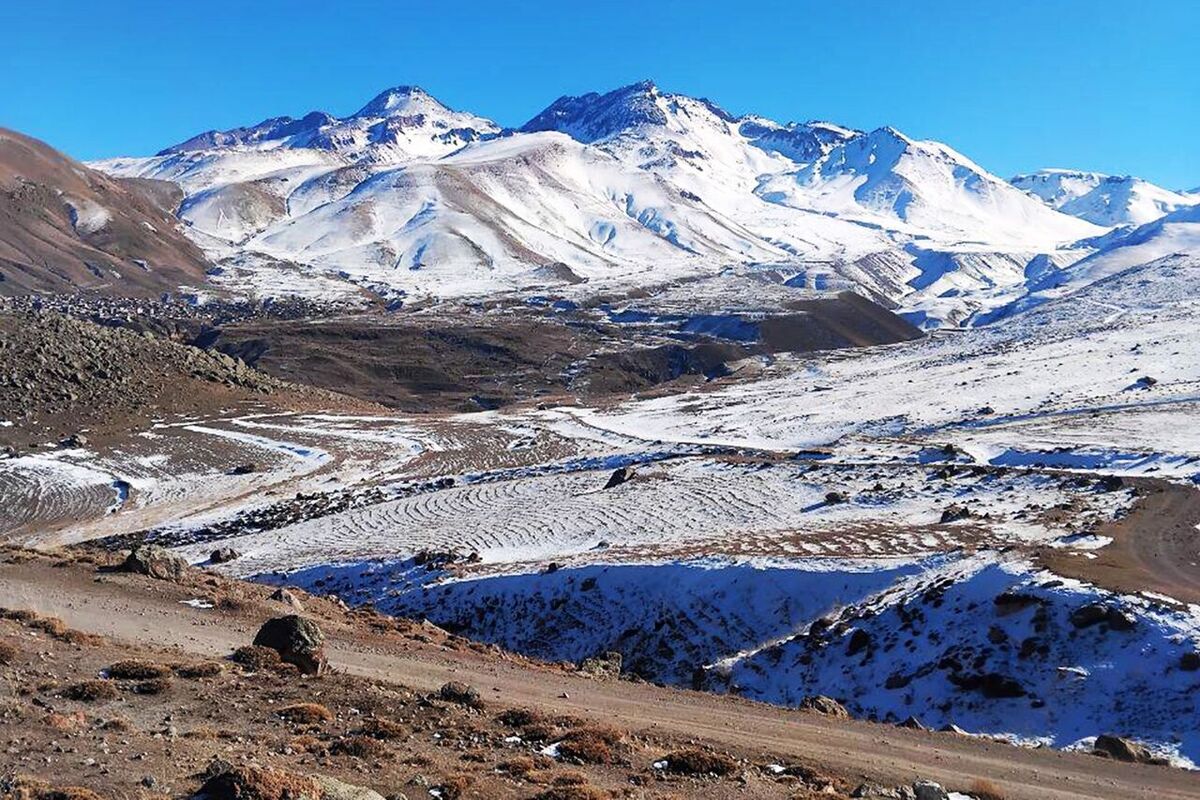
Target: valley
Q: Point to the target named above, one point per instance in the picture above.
(786, 441)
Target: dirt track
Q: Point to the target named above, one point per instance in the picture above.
(150, 613)
(1155, 548)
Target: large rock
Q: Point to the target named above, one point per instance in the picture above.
(333, 789)
(824, 705)
(928, 790)
(298, 641)
(619, 476)
(1122, 749)
(1095, 613)
(155, 561)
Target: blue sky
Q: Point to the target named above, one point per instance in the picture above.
(1104, 84)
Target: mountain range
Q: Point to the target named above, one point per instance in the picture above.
(408, 198)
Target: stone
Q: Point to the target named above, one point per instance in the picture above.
(928, 790)
(619, 476)
(298, 641)
(824, 705)
(155, 562)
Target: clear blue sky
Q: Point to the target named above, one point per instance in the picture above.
(1109, 85)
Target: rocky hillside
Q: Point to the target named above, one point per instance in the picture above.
(64, 227)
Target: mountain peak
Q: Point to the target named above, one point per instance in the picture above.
(397, 99)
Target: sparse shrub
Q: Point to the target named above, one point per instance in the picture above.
(307, 744)
(590, 745)
(518, 766)
(65, 722)
(204, 669)
(8, 653)
(359, 747)
(258, 783)
(305, 713)
(52, 626)
(135, 669)
(90, 691)
(460, 693)
(455, 786)
(520, 717)
(117, 724)
(694, 761)
(255, 657)
(152, 686)
(985, 790)
(384, 729)
(580, 792)
(72, 636)
(570, 779)
(68, 793)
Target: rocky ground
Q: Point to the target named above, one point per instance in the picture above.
(64, 377)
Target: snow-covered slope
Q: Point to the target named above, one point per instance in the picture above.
(633, 187)
(1109, 200)
(887, 178)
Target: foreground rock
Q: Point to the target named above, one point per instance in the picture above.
(1121, 749)
(156, 562)
(298, 641)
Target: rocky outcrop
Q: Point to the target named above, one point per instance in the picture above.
(298, 641)
(824, 705)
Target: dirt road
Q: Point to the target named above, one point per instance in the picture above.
(1154, 548)
(151, 613)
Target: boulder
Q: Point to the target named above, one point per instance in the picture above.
(1189, 662)
(955, 513)
(1095, 613)
(244, 469)
(298, 641)
(874, 791)
(282, 595)
(834, 498)
(156, 562)
(605, 666)
(223, 555)
(619, 476)
(824, 705)
(1122, 749)
(333, 789)
(928, 790)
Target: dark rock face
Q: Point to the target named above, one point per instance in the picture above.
(156, 562)
(1095, 613)
(619, 476)
(859, 640)
(298, 641)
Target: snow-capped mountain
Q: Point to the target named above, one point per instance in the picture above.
(629, 187)
(1108, 200)
(398, 124)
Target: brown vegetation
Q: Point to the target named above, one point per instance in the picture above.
(305, 713)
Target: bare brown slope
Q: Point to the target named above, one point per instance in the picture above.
(151, 613)
(65, 227)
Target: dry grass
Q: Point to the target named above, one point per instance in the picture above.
(204, 669)
(694, 761)
(152, 686)
(573, 792)
(590, 745)
(256, 657)
(359, 747)
(90, 691)
(305, 713)
(518, 766)
(256, 783)
(136, 669)
(520, 717)
(455, 787)
(8, 653)
(52, 626)
(986, 790)
(378, 728)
